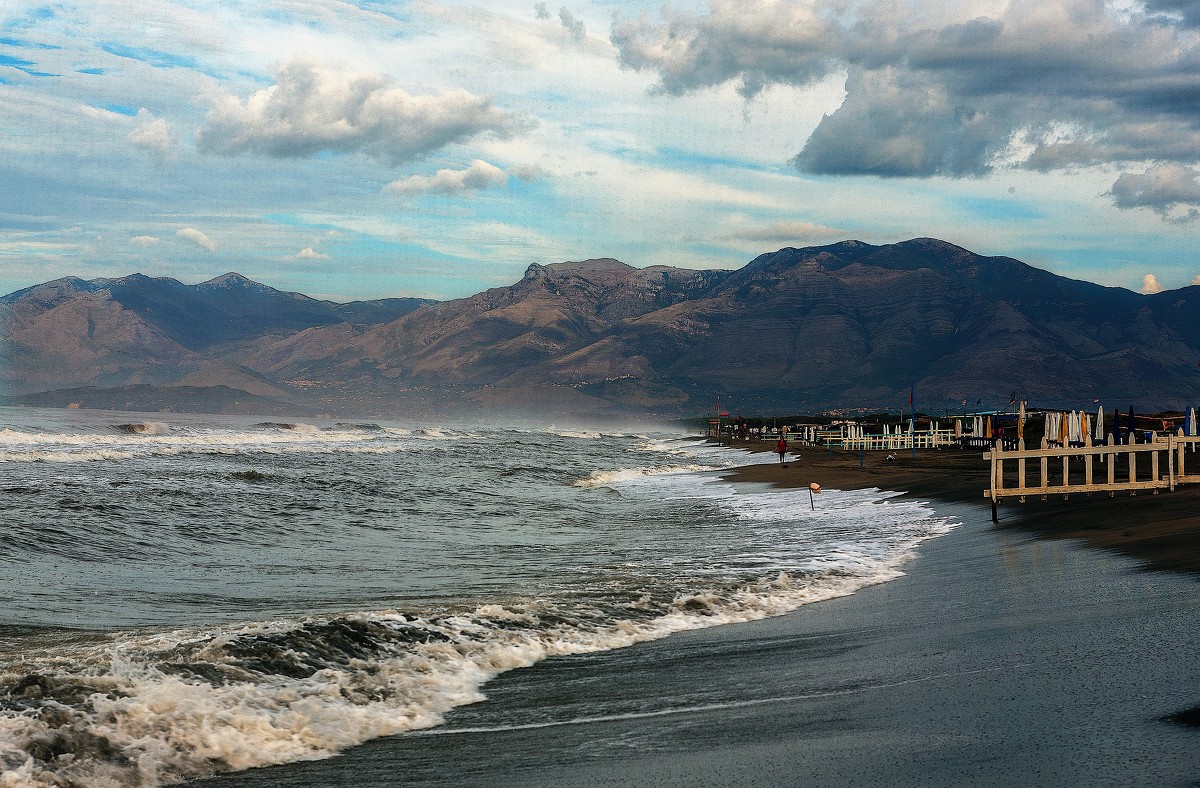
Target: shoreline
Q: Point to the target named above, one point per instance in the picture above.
(1161, 530)
(996, 659)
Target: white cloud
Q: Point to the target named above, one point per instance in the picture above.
(1196, 279)
(478, 175)
(144, 240)
(154, 135)
(199, 239)
(1150, 285)
(308, 253)
(311, 109)
(787, 233)
(1170, 190)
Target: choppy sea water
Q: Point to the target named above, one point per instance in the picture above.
(190, 595)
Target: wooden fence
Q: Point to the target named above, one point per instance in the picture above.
(924, 439)
(1154, 466)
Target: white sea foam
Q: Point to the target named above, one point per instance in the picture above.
(167, 726)
(179, 704)
(162, 441)
(625, 475)
(580, 434)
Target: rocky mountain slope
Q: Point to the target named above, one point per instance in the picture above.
(841, 325)
(143, 330)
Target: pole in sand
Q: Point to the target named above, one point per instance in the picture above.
(813, 487)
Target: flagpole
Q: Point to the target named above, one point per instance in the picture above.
(912, 404)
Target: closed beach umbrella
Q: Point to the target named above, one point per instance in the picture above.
(1131, 428)
(1021, 420)
(987, 431)
(1189, 422)
(1099, 434)
(1063, 430)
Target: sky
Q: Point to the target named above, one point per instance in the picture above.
(367, 149)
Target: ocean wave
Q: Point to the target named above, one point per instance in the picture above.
(579, 434)
(621, 476)
(146, 428)
(152, 439)
(146, 710)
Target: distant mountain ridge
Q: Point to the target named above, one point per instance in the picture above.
(142, 330)
(842, 325)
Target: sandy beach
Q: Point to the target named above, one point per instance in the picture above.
(1161, 530)
(1001, 658)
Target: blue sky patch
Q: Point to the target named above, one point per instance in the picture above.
(1005, 210)
(152, 57)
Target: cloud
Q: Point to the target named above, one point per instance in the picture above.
(311, 109)
(1186, 11)
(197, 238)
(308, 253)
(1170, 190)
(791, 232)
(936, 89)
(154, 135)
(478, 175)
(144, 240)
(1196, 279)
(755, 42)
(1150, 285)
(573, 25)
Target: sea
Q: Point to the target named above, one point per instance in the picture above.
(184, 595)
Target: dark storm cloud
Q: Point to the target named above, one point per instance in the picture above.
(1187, 11)
(1045, 85)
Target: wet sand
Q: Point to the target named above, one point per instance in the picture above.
(1001, 658)
(1161, 530)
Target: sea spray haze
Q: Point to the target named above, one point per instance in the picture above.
(188, 595)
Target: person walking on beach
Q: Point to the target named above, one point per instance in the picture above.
(781, 447)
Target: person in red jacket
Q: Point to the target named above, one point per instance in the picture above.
(781, 447)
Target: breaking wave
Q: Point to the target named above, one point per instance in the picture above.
(143, 710)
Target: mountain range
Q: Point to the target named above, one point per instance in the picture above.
(845, 325)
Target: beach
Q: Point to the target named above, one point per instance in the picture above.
(1160, 530)
(1002, 657)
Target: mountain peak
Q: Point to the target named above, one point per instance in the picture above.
(231, 279)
